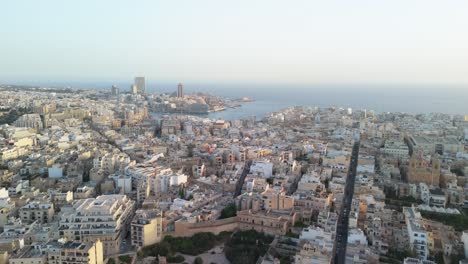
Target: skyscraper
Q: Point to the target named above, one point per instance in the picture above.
(115, 90)
(134, 89)
(140, 83)
(180, 90)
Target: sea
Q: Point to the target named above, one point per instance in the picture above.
(414, 99)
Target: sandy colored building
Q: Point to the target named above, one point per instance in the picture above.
(28, 255)
(275, 199)
(42, 211)
(146, 228)
(78, 253)
(422, 170)
(267, 221)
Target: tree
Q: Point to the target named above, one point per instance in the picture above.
(439, 258)
(111, 261)
(190, 148)
(198, 260)
(246, 246)
(458, 171)
(326, 183)
(228, 211)
(182, 192)
(176, 259)
(125, 259)
(300, 224)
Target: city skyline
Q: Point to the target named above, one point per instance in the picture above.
(263, 42)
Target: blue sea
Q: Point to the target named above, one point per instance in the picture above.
(448, 99)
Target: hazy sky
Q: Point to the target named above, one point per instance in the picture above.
(396, 41)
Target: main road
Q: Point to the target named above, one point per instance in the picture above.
(341, 238)
(241, 180)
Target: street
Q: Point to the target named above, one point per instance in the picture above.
(343, 219)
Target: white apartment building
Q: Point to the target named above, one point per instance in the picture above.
(395, 148)
(317, 246)
(435, 144)
(140, 174)
(166, 179)
(111, 162)
(29, 120)
(424, 193)
(357, 236)
(417, 261)
(262, 167)
(464, 239)
(105, 218)
(416, 231)
(158, 179)
(123, 183)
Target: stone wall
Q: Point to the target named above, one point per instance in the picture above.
(189, 229)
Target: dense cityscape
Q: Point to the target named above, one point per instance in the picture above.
(128, 176)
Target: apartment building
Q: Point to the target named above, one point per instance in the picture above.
(41, 211)
(73, 252)
(276, 199)
(316, 246)
(105, 218)
(146, 228)
(416, 231)
(28, 255)
(395, 149)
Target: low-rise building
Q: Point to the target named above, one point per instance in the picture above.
(41, 211)
(267, 221)
(28, 255)
(73, 252)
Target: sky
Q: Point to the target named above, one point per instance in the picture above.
(294, 41)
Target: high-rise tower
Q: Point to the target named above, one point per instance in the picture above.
(140, 83)
(115, 90)
(134, 89)
(180, 90)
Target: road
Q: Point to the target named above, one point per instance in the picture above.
(343, 219)
(241, 180)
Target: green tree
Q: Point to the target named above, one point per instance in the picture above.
(176, 259)
(229, 211)
(125, 259)
(198, 260)
(190, 148)
(458, 221)
(182, 192)
(439, 258)
(300, 224)
(246, 246)
(458, 171)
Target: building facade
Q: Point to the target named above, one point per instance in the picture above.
(422, 170)
(146, 228)
(73, 252)
(140, 84)
(105, 218)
